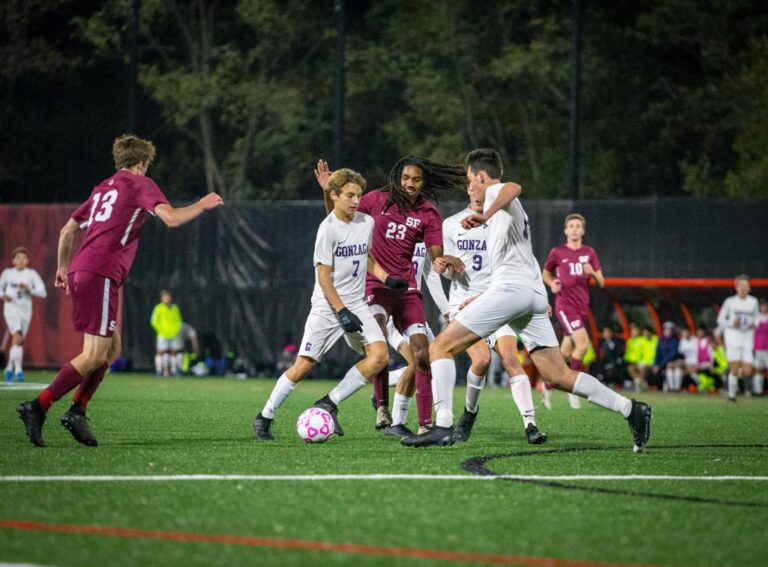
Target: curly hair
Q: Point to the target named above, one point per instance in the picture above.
(440, 180)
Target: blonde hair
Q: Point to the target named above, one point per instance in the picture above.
(128, 150)
(575, 216)
(341, 177)
(744, 277)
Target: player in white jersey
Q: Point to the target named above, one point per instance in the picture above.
(515, 297)
(404, 378)
(18, 285)
(341, 260)
(470, 245)
(736, 320)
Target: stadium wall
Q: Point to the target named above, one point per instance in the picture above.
(244, 274)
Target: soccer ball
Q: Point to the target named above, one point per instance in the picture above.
(315, 425)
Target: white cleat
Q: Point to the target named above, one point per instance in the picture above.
(574, 401)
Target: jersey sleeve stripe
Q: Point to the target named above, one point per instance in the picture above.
(104, 308)
(130, 226)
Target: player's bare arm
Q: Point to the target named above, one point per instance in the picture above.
(469, 300)
(66, 239)
(508, 193)
(596, 275)
(551, 281)
(174, 217)
(326, 284)
(444, 263)
(323, 176)
(375, 269)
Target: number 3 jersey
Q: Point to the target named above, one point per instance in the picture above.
(568, 266)
(396, 233)
(113, 217)
(471, 246)
(344, 246)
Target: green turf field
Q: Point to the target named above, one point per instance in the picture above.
(148, 426)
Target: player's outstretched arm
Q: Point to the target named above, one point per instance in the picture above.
(174, 217)
(380, 274)
(66, 239)
(323, 176)
(508, 193)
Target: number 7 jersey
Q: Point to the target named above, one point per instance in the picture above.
(113, 217)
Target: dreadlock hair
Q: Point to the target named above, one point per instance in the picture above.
(440, 180)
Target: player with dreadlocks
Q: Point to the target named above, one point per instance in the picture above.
(403, 216)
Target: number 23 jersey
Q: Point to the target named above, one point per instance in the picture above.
(113, 217)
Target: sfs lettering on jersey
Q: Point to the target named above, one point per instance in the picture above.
(412, 222)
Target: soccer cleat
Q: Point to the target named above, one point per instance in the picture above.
(19, 376)
(262, 428)
(383, 418)
(33, 417)
(326, 404)
(463, 428)
(435, 437)
(423, 429)
(399, 430)
(8, 375)
(640, 424)
(732, 399)
(535, 437)
(574, 401)
(75, 421)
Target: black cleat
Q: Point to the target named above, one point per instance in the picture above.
(326, 404)
(437, 436)
(33, 417)
(399, 430)
(640, 424)
(463, 428)
(76, 423)
(535, 437)
(262, 428)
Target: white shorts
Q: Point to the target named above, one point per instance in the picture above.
(739, 346)
(322, 330)
(520, 306)
(505, 331)
(164, 344)
(761, 359)
(396, 339)
(17, 324)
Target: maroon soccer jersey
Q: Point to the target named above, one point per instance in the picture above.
(113, 216)
(568, 266)
(395, 233)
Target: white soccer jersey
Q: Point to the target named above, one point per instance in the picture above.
(689, 348)
(423, 272)
(738, 314)
(471, 246)
(344, 246)
(509, 244)
(20, 303)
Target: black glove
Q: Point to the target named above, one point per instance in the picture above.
(349, 321)
(398, 285)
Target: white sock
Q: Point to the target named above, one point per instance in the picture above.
(545, 393)
(16, 354)
(733, 386)
(475, 385)
(678, 378)
(280, 392)
(353, 380)
(394, 375)
(158, 364)
(443, 381)
(757, 384)
(172, 359)
(589, 387)
(179, 361)
(521, 394)
(166, 361)
(400, 408)
(574, 401)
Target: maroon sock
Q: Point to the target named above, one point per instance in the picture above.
(424, 397)
(381, 388)
(576, 364)
(88, 387)
(66, 380)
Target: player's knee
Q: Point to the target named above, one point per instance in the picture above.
(377, 356)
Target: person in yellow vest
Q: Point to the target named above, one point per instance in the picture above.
(633, 356)
(650, 344)
(166, 321)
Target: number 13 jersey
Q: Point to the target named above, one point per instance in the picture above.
(113, 217)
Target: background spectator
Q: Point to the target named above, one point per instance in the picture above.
(609, 366)
(668, 360)
(166, 321)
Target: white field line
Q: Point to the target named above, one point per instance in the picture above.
(323, 477)
(16, 386)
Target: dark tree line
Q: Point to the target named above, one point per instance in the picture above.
(238, 95)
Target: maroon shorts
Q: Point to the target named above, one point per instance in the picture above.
(570, 319)
(94, 303)
(406, 309)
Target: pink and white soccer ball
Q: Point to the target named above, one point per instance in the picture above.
(315, 425)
